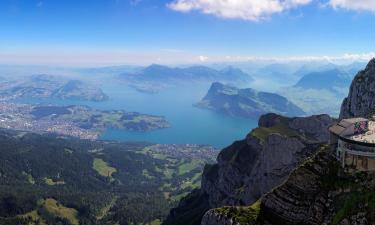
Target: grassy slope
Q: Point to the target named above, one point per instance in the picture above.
(103, 168)
(55, 208)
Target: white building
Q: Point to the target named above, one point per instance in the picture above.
(354, 143)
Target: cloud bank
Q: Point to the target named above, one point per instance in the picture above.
(253, 10)
(358, 5)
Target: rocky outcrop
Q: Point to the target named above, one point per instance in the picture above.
(251, 167)
(315, 126)
(301, 199)
(214, 218)
(361, 99)
(317, 192)
(320, 192)
(232, 215)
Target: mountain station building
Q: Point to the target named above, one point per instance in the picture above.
(353, 141)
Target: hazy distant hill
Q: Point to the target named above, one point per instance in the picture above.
(157, 77)
(50, 86)
(321, 92)
(329, 80)
(246, 102)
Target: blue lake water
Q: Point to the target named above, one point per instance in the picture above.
(188, 123)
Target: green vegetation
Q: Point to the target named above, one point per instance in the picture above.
(33, 217)
(154, 222)
(348, 204)
(94, 182)
(243, 215)
(49, 181)
(88, 118)
(58, 210)
(29, 178)
(262, 132)
(187, 167)
(103, 212)
(103, 168)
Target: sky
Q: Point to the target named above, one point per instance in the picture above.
(113, 32)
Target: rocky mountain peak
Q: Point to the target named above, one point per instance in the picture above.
(371, 65)
(360, 101)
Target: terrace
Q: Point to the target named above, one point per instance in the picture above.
(367, 136)
(354, 142)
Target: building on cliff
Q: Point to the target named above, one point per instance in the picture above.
(353, 140)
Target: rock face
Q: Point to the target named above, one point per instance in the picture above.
(246, 102)
(320, 192)
(251, 167)
(361, 99)
(317, 192)
(301, 199)
(315, 126)
(214, 218)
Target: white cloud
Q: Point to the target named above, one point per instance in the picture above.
(237, 9)
(203, 58)
(359, 5)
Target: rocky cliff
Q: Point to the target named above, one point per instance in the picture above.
(361, 99)
(251, 167)
(317, 192)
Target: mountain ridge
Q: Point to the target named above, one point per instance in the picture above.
(247, 102)
(155, 77)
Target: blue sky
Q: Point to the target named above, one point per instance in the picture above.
(177, 31)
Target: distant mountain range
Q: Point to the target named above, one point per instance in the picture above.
(156, 77)
(319, 92)
(246, 102)
(50, 86)
(329, 80)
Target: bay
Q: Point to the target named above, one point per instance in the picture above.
(189, 125)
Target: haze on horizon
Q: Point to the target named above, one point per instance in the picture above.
(141, 32)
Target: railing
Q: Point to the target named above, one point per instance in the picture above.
(357, 152)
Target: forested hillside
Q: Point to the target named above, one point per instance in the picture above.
(52, 180)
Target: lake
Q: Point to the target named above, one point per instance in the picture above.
(189, 125)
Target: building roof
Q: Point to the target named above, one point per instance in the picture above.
(354, 120)
(337, 129)
(344, 124)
